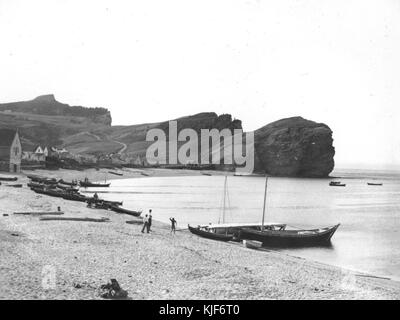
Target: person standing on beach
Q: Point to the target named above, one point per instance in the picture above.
(149, 222)
(173, 224)
(145, 223)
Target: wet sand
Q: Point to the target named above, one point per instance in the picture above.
(159, 265)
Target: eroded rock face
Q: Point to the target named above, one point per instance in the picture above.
(294, 147)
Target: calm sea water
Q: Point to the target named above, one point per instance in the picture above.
(368, 239)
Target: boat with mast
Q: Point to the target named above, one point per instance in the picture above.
(210, 232)
(222, 230)
(279, 236)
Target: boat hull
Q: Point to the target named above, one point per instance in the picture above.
(125, 211)
(210, 235)
(93, 185)
(290, 238)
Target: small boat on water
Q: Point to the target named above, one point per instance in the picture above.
(2, 178)
(337, 184)
(208, 233)
(87, 184)
(374, 184)
(118, 209)
(279, 236)
(252, 244)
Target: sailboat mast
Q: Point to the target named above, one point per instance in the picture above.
(223, 210)
(265, 200)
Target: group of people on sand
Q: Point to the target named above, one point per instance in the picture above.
(147, 221)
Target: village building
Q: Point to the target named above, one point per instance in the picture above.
(36, 154)
(10, 151)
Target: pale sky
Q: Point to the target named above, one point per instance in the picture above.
(333, 61)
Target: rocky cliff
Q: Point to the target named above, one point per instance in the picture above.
(49, 106)
(294, 147)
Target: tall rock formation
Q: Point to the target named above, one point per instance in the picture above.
(294, 147)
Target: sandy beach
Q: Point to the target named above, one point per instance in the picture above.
(78, 257)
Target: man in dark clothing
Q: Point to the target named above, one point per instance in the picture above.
(173, 224)
(149, 222)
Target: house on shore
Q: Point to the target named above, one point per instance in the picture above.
(35, 154)
(10, 151)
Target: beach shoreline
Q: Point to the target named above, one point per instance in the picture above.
(84, 255)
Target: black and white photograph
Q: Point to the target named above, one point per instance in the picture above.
(187, 150)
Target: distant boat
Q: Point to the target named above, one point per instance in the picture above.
(87, 184)
(374, 184)
(336, 184)
(205, 173)
(279, 236)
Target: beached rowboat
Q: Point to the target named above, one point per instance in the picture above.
(205, 233)
(8, 178)
(67, 183)
(116, 173)
(290, 238)
(125, 211)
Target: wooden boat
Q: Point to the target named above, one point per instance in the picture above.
(74, 196)
(279, 236)
(206, 233)
(72, 184)
(336, 184)
(125, 211)
(214, 232)
(87, 184)
(252, 244)
(206, 174)
(98, 205)
(290, 238)
(374, 184)
(49, 192)
(116, 173)
(41, 185)
(42, 179)
(8, 178)
(113, 203)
